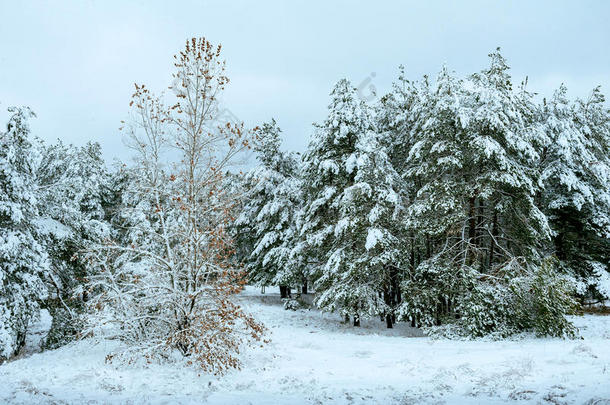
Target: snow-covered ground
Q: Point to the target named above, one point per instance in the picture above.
(314, 359)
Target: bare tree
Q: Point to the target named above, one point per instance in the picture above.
(168, 283)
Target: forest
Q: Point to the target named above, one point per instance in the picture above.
(465, 207)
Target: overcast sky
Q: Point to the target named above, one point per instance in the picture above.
(75, 62)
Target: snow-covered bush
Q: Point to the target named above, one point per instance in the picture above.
(542, 301)
(66, 325)
(528, 300)
(486, 310)
(291, 304)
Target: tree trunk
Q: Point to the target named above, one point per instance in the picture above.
(357, 320)
(388, 299)
(492, 245)
(396, 297)
(472, 220)
(388, 321)
(304, 287)
(480, 218)
(439, 311)
(472, 226)
(560, 250)
(412, 251)
(283, 291)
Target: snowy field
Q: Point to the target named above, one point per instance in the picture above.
(313, 359)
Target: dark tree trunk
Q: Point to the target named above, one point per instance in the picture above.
(560, 250)
(472, 220)
(304, 287)
(428, 247)
(357, 320)
(396, 297)
(472, 227)
(388, 298)
(346, 318)
(480, 218)
(439, 311)
(492, 244)
(389, 321)
(284, 291)
(412, 252)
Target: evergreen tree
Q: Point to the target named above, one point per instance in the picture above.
(267, 220)
(474, 162)
(70, 184)
(438, 166)
(351, 211)
(24, 262)
(575, 167)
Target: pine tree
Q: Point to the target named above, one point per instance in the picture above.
(474, 162)
(70, 183)
(24, 263)
(350, 212)
(267, 220)
(438, 166)
(575, 163)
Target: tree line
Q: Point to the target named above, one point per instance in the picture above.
(458, 204)
(461, 205)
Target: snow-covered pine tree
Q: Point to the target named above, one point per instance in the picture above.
(575, 167)
(397, 115)
(70, 186)
(504, 134)
(168, 285)
(399, 121)
(475, 161)
(437, 166)
(351, 211)
(23, 260)
(593, 117)
(266, 223)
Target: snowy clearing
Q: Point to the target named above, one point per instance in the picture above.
(313, 359)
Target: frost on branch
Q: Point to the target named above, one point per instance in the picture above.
(166, 282)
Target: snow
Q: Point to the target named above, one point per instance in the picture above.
(351, 163)
(602, 278)
(49, 226)
(314, 359)
(373, 236)
(37, 333)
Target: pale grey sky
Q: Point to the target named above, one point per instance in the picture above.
(75, 62)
